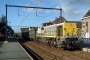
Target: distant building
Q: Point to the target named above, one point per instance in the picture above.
(59, 20)
(62, 19)
(33, 28)
(24, 29)
(86, 25)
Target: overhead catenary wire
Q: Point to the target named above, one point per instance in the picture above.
(52, 13)
(36, 12)
(28, 13)
(59, 2)
(19, 12)
(71, 4)
(42, 18)
(25, 16)
(62, 8)
(31, 7)
(66, 7)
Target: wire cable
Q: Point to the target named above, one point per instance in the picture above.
(25, 17)
(52, 13)
(42, 18)
(29, 13)
(72, 4)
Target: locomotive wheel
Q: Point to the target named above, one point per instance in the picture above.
(55, 44)
(68, 47)
(48, 41)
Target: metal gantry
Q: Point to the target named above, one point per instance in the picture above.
(30, 7)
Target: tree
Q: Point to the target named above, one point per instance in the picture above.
(3, 19)
(10, 31)
(3, 26)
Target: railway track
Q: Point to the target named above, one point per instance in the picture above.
(30, 52)
(52, 53)
(45, 55)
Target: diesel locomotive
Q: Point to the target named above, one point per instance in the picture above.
(64, 35)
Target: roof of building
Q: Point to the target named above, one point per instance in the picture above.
(59, 20)
(87, 14)
(33, 28)
(49, 21)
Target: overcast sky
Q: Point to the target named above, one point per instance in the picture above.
(73, 10)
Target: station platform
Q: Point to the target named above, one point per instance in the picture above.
(13, 51)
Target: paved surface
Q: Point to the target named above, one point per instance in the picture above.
(13, 51)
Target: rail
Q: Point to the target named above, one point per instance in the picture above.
(30, 52)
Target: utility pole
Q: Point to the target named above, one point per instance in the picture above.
(6, 25)
(60, 15)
